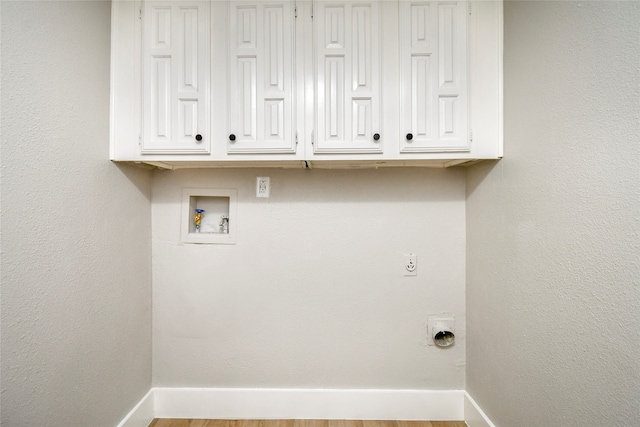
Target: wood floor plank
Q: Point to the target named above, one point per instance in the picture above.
(220, 423)
(345, 423)
(249, 423)
(414, 424)
(310, 423)
(372, 423)
(211, 423)
(277, 423)
(170, 422)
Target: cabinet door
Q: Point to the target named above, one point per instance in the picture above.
(175, 78)
(347, 76)
(433, 56)
(261, 77)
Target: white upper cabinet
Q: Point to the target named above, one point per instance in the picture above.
(261, 85)
(347, 77)
(175, 78)
(306, 83)
(433, 60)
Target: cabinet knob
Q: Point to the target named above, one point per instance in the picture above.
(198, 137)
(376, 136)
(409, 136)
(232, 137)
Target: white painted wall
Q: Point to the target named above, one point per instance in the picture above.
(76, 273)
(312, 294)
(552, 252)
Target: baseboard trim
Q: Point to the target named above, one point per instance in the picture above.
(245, 403)
(142, 414)
(473, 415)
(308, 404)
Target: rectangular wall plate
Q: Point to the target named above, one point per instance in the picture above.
(217, 221)
(410, 265)
(263, 186)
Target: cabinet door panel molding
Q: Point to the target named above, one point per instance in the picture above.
(261, 61)
(175, 78)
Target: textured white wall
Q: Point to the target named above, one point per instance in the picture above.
(312, 293)
(552, 254)
(76, 273)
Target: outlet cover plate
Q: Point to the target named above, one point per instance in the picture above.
(410, 265)
(263, 186)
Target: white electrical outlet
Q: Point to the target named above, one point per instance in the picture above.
(263, 186)
(410, 265)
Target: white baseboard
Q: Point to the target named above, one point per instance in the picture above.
(308, 404)
(473, 415)
(142, 414)
(236, 403)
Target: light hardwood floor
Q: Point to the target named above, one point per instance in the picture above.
(168, 422)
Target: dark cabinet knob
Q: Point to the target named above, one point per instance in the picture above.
(232, 137)
(198, 137)
(409, 136)
(376, 136)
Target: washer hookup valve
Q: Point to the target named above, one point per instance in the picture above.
(197, 219)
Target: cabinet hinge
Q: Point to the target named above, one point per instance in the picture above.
(469, 6)
(311, 10)
(295, 11)
(296, 138)
(312, 138)
(140, 15)
(471, 136)
(140, 140)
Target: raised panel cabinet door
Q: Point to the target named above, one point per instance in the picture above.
(433, 59)
(347, 77)
(175, 78)
(261, 77)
